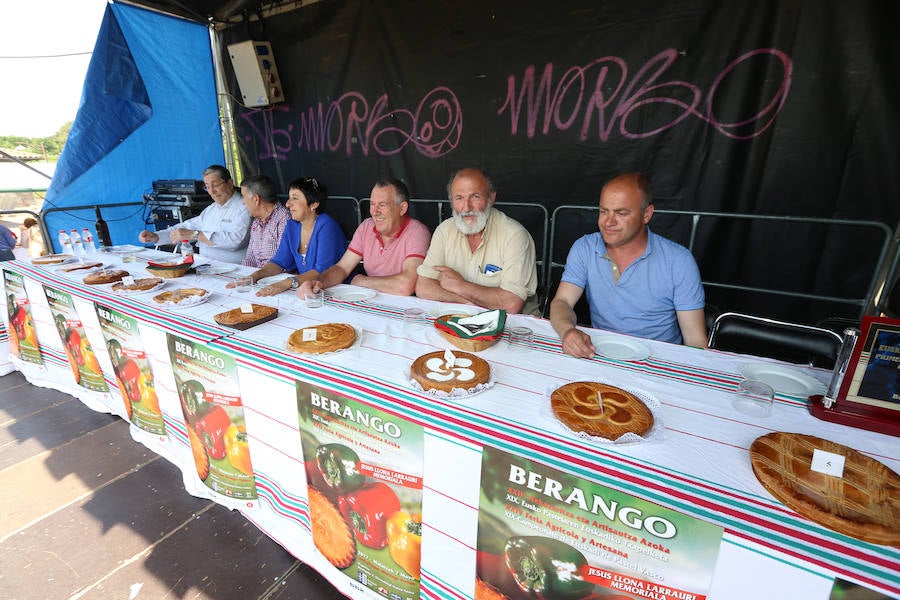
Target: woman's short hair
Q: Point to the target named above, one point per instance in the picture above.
(313, 190)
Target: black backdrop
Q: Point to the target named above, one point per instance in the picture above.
(746, 106)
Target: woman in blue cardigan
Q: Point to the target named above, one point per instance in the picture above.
(311, 242)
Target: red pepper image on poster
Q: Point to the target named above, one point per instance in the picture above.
(211, 430)
(367, 510)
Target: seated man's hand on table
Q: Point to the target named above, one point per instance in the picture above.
(448, 278)
(148, 237)
(308, 288)
(577, 343)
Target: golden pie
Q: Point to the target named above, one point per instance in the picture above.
(180, 295)
(863, 503)
(105, 276)
(432, 372)
(327, 337)
(578, 406)
(330, 532)
(238, 319)
(79, 266)
(50, 259)
(139, 285)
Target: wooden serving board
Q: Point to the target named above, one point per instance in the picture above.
(864, 503)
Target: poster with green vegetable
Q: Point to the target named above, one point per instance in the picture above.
(364, 469)
(132, 369)
(546, 534)
(79, 353)
(210, 396)
(23, 342)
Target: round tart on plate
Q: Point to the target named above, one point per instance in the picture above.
(864, 502)
(181, 296)
(79, 266)
(101, 276)
(432, 371)
(327, 337)
(145, 284)
(51, 259)
(600, 410)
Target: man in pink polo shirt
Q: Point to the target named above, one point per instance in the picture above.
(390, 244)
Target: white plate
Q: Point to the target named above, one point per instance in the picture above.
(125, 292)
(186, 303)
(208, 269)
(354, 295)
(272, 279)
(784, 379)
(439, 310)
(126, 249)
(620, 348)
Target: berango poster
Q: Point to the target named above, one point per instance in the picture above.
(79, 353)
(210, 396)
(364, 470)
(543, 533)
(23, 342)
(132, 369)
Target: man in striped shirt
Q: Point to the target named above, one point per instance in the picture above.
(269, 217)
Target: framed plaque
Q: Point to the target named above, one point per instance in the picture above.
(869, 396)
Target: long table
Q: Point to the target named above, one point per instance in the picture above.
(696, 463)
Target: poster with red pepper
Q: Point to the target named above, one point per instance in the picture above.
(546, 534)
(79, 353)
(210, 395)
(132, 369)
(364, 469)
(23, 342)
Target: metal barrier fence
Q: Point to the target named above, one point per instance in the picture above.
(569, 222)
(555, 234)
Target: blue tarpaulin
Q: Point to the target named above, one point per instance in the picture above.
(148, 111)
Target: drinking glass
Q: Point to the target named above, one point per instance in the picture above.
(243, 284)
(521, 339)
(754, 398)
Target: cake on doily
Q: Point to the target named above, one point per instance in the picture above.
(578, 406)
(467, 371)
(318, 339)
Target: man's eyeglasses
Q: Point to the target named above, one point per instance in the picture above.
(216, 185)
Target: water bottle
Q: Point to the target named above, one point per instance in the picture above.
(88, 240)
(186, 249)
(65, 244)
(77, 246)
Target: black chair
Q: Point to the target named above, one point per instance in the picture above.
(892, 304)
(790, 342)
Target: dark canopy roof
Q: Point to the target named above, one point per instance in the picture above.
(212, 10)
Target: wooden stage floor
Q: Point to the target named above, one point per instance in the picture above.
(89, 513)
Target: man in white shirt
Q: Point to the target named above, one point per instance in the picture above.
(221, 230)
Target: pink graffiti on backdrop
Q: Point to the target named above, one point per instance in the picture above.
(434, 129)
(572, 97)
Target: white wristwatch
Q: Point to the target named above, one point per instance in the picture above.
(294, 283)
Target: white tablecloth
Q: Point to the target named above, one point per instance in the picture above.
(697, 463)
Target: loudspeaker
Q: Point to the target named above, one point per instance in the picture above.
(254, 66)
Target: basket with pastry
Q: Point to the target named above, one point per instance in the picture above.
(472, 333)
(170, 269)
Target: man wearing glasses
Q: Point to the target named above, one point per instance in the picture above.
(221, 230)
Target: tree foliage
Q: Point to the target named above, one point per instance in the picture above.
(50, 146)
